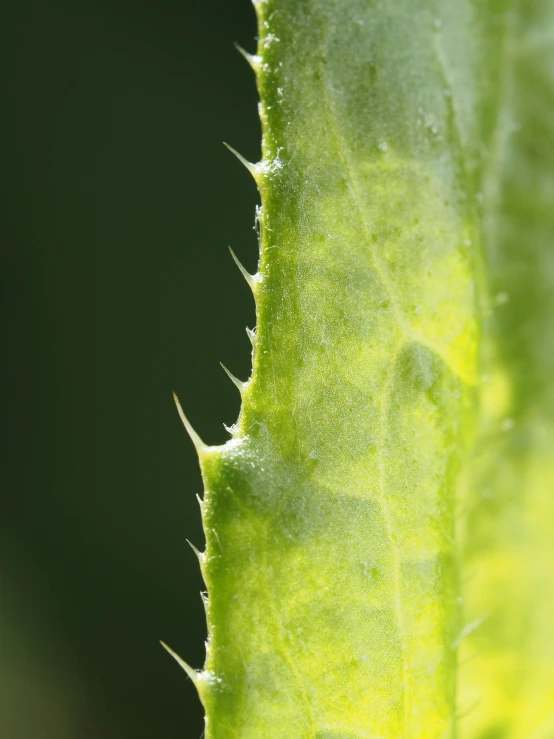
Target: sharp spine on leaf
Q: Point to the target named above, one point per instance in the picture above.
(196, 440)
(469, 629)
(206, 606)
(250, 279)
(201, 556)
(252, 59)
(252, 168)
(193, 674)
(233, 379)
(251, 333)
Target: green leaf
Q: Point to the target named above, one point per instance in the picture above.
(332, 560)
(509, 545)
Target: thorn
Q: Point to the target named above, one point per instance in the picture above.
(201, 556)
(200, 501)
(193, 674)
(205, 599)
(469, 629)
(196, 440)
(252, 59)
(251, 333)
(247, 276)
(233, 379)
(252, 168)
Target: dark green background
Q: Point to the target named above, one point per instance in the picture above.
(119, 204)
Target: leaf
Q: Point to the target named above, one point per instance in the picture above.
(332, 562)
(509, 542)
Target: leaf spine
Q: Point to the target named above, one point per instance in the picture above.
(193, 674)
(469, 628)
(253, 59)
(251, 333)
(201, 556)
(250, 279)
(252, 168)
(205, 602)
(199, 445)
(240, 385)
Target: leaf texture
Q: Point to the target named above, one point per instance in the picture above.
(509, 548)
(392, 204)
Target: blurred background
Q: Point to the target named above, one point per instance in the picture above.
(120, 201)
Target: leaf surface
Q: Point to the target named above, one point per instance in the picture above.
(507, 680)
(332, 563)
